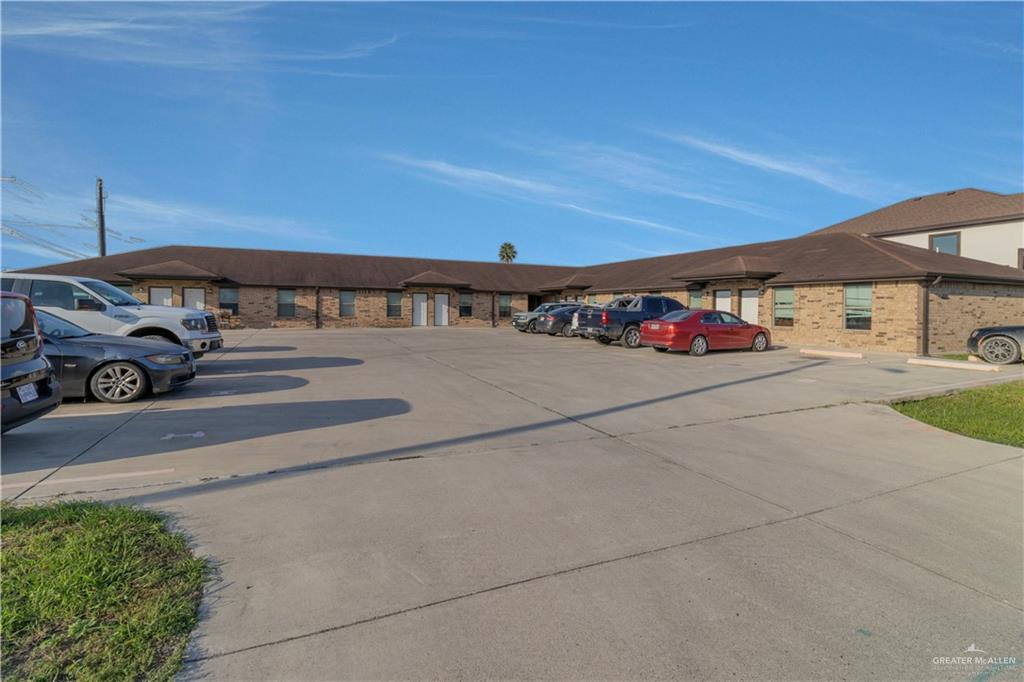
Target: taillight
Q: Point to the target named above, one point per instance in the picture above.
(604, 317)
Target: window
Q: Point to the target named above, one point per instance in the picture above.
(7, 284)
(228, 299)
(347, 303)
(465, 304)
(126, 288)
(113, 294)
(592, 299)
(857, 306)
(161, 296)
(504, 305)
(783, 306)
(697, 299)
(194, 297)
(711, 318)
(945, 243)
(677, 315)
(286, 302)
(729, 318)
(723, 299)
(394, 304)
(62, 295)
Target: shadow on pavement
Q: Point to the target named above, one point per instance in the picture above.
(215, 386)
(176, 430)
(410, 451)
(259, 349)
(273, 365)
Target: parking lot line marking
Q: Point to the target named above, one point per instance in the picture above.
(104, 477)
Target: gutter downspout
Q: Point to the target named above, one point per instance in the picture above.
(925, 317)
(319, 321)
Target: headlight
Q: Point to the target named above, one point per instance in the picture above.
(165, 358)
(195, 324)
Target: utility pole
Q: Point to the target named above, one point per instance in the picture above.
(101, 222)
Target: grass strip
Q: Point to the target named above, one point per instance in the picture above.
(93, 592)
(993, 413)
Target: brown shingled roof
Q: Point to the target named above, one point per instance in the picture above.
(171, 269)
(945, 209)
(434, 278)
(261, 267)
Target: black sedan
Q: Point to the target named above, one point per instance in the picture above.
(998, 345)
(29, 387)
(558, 321)
(115, 369)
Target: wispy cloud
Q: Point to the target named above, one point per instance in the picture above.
(208, 37)
(801, 166)
(522, 188)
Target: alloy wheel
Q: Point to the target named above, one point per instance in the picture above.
(118, 383)
(699, 346)
(760, 342)
(632, 337)
(999, 350)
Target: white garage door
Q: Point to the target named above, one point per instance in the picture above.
(748, 305)
(723, 300)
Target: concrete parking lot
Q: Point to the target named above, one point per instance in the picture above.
(469, 503)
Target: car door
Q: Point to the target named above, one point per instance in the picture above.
(711, 326)
(735, 331)
(73, 303)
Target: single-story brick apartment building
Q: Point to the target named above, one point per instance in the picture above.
(828, 288)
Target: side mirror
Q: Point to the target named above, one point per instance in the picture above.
(89, 304)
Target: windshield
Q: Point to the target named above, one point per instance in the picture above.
(110, 292)
(677, 315)
(57, 328)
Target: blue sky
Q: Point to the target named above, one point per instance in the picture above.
(583, 133)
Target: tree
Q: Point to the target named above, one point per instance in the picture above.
(507, 253)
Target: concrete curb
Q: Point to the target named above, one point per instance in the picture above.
(831, 353)
(954, 364)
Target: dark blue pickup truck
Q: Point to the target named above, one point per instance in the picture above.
(622, 317)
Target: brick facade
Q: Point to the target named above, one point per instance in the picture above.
(956, 308)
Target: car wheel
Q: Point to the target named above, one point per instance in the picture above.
(699, 345)
(118, 382)
(660, 350)
(631, 337)
(1000, 350)
(760, 343)
(531, 327)
(603, 340)
(567, 329)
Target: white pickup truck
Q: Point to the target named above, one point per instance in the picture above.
(102, 308)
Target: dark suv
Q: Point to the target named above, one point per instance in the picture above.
(29, 388)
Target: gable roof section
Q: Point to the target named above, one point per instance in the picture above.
(261, 267)
(734, 267)
(171, 269)
(960, 207)
(433, 278)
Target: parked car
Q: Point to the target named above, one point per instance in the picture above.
(527, 322)
(699, 331)
(114, 369)
(557, 321)
(622, 317)
(29, 387)
(102, 308)
(998, 345)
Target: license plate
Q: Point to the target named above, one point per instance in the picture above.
(655, 326)
(27, 393)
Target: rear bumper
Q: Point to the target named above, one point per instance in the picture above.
(15, 413)
(600, 332)
(670, 341)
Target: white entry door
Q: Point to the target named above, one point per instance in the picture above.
(723, 300)
(161, 296)
(419, 310)
(194, 298)
(748, 305)
(440, 310)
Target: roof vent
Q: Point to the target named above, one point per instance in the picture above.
(917, 198)
(949, 194)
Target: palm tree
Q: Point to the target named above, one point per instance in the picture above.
(507, 253)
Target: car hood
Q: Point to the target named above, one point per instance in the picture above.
(127, 345)
(170, 312)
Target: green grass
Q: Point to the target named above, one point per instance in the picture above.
(94, 592)
(956, 356)
(992, 413)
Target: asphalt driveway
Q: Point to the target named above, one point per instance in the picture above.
(534, 507)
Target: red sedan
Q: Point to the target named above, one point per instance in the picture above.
(699, 331)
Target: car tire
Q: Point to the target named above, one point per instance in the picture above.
(999, 350)
(760, 343)
(631, 337)
(567, 330)
(660, 350)
(699, 345)
(118, 382)
(531, 327)
(603, 340)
